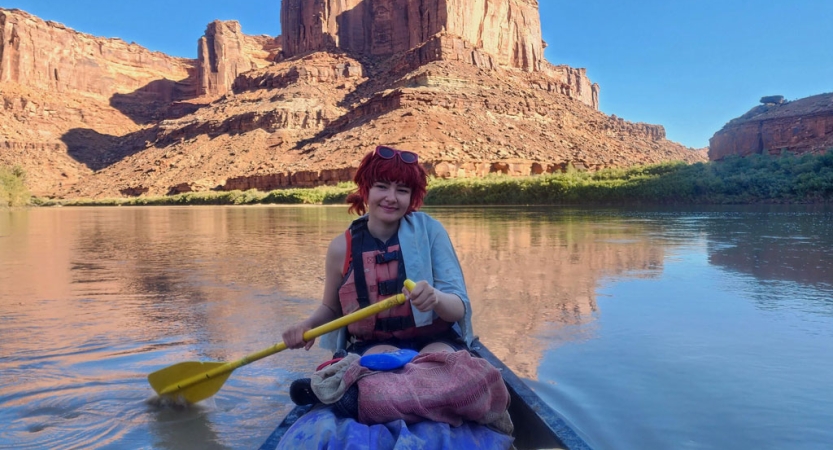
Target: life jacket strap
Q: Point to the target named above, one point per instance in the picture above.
(388, 287)
(358, 229)
(390, 324)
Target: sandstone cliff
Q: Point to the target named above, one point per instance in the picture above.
(72, 103)
(461, 82)
(58, 84)
(224, 52)
(50, 57)
(486, 32)
(306, 122)
(800, 126)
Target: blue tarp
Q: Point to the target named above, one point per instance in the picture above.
(322, 429)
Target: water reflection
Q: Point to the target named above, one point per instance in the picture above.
(779, 247)
(177, 429)
(131, 290)
(92, 300)
(533, 273)
(118, 293)
(787, 247)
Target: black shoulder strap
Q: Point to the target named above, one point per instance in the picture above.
(358, 232)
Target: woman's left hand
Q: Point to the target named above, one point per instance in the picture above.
(423, 297)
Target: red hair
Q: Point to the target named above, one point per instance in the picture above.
(374, 168)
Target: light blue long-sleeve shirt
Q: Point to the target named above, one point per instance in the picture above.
(430, 256)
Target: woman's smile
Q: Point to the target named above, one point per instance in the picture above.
(388, 200)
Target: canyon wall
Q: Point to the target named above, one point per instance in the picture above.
(508, 30)
(48, 56)
(797, 127)
(72, 103)
(462, 82)
(488, 34)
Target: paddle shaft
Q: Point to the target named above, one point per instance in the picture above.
(280, 346)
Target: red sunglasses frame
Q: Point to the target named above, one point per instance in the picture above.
(407, 154)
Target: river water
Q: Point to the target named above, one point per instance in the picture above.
(698, 328)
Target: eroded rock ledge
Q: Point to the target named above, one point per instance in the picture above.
(439, 169)
(800, 126)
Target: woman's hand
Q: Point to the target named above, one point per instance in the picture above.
(293, 337)
(423, 297)
(426, 298)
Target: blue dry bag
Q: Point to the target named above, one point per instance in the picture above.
(388, 361)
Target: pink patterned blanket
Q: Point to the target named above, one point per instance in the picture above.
(443, 387)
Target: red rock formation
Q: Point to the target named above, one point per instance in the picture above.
(485, 33)
(469, 92)
(224, 52)
(48, 56)
(313, 70)
(108, 89)
(800, 126)
(508, 30)
(573, 83)
(314, 118)
(60, 87)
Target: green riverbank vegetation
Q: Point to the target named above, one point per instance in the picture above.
(735, 180)
(753, 179)
(322, 195)
(13, 190)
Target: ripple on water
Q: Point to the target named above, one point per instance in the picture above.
(97, 398)
(66, 413)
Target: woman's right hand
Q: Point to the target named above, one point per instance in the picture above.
(293, 337)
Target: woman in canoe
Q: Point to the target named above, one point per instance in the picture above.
(390, 241)
(450, 398)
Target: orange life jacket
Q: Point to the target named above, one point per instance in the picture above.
(384, 276)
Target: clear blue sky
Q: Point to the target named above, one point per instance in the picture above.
(690, 65)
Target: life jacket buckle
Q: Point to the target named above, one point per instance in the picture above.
(384, 258)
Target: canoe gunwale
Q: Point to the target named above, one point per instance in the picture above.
(537, 425)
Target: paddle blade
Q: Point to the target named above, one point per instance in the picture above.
(164, 381)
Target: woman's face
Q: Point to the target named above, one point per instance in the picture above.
(388, 201)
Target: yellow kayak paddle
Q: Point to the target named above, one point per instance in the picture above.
(193, 381)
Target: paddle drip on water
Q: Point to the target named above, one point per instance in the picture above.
(168, 402)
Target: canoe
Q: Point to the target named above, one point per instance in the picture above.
(537, 425)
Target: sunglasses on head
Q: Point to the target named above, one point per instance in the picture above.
(388, 153)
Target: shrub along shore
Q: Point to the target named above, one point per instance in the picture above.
(13, 190)
(753, 179)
